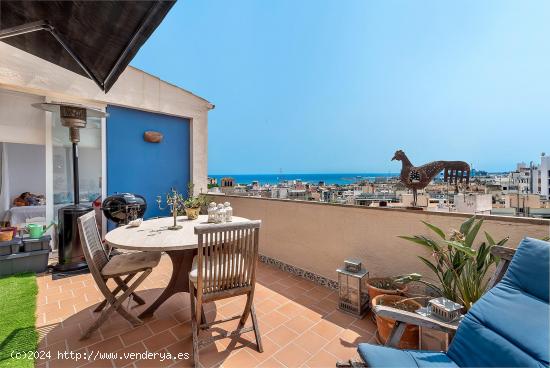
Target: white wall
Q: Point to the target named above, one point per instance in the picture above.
(19, 122)
(26, 171)
(135, 89)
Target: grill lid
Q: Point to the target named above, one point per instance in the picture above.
(122, 208)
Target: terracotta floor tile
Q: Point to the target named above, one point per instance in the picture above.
(298, 324)
(159, 325)
(311, 342)
(107, 346)
(298, 321)
(326, 329)
(271, 363)
(273, 319)
(240, 359)
(159, 341)
(340, 318)
(182, 331)
(292, 355)
(136, 334)
(269, 348)
(282, 335)
(291, 309)
(125, 360)
(322, 359)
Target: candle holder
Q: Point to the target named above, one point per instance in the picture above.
(174, 201)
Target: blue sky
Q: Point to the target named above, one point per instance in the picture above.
(337, 86)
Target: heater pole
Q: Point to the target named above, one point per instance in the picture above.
(75, 174)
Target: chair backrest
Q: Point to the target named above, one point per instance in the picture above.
(509, 325)
(227, 255)
(94, 252)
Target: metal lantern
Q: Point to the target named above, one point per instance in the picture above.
(353, 295)
(445, 309)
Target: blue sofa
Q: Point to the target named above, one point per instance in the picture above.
(507, 327)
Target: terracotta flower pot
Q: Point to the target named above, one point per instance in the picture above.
(409, 340)
(192, 213)
(374, 287)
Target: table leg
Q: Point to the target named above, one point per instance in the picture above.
(181, 266)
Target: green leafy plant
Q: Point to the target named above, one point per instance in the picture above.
(461, 269)
(194, 201)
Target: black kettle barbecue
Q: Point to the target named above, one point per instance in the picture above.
(121, 208)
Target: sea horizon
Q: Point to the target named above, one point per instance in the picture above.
(328, 178)
(314, 178)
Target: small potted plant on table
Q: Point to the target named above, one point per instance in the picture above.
(193, 203)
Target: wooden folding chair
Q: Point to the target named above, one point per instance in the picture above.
(102, 268)
(225, 266)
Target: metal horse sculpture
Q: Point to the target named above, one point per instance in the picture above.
(416, 178)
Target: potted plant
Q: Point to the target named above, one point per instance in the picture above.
(460, 268)
(384, 286)
(193, 203)
(384, 325)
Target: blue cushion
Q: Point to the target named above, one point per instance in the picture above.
(508, 326)
(381, 356)
(529, 270)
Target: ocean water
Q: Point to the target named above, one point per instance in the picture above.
(345, 178)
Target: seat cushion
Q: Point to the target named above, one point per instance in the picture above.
(508, 326)
(126, 263)
(382, 356)
(225, 269)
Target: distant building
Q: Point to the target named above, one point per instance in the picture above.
(212, 181)
(473, 203)
(227, 182)
(530, 179)
(543, 180)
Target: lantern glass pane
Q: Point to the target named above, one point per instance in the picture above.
(354, 290)
(344, 286)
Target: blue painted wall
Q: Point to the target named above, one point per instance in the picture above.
(149, 169)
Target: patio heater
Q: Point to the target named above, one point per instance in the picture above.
(70, 254)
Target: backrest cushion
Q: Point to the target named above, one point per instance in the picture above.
(528, 270)
(508, 326)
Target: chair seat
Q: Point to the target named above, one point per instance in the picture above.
(381, 356)
(225, 267)
(126, 263)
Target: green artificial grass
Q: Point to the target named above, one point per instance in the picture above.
(17, 320)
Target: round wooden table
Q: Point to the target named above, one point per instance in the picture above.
(154, 236)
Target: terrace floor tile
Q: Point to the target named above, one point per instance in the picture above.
(299, 323)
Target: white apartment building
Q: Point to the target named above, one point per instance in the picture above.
(529, 179)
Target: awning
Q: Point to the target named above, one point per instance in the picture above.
(96, 39)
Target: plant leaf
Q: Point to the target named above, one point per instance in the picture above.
(465, 227)
(415, 239)
(490, 239)
(470, 237)
(458, 246)
(435, 229)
